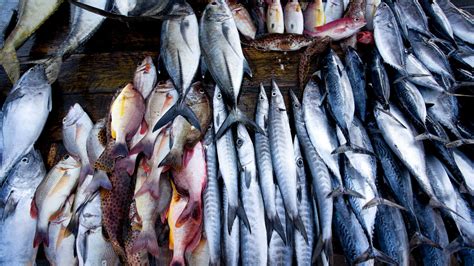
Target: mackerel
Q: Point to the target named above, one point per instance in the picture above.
(356, 73)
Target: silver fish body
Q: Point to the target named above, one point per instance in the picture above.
(411, 101)
(279, 253)
(462, 24)
(466, 166)
(424, 78)
(356, 73)
(413, 16)
(231, 240)
(145, 77)
(438, 19)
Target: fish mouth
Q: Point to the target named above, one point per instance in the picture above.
(75, 112)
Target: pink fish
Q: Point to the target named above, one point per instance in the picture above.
(243, 21)
(338, 29)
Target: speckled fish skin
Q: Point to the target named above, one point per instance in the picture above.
(283, 43)
(9, 7)
(279, 253)
(134, 258)
(275, 17)
(95, 146)
(413, 16)
(231, 241)
(145, 77)
(334, 9)
(294, 21)
(314, 15)
(32, 14)
(461, 24)
(25, 110)
(16, 195)
(243, 20)
(212, 200)
(254, 239)
(356, 72)
(379, 79)
(388, 38)
(51, 195)
(370, 8)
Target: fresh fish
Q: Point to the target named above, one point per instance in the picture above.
(370, 8)
(356, 72)
(314, 15)
(212, 200)
(145, 77)
(278, 42)
(461, 24)
(186, 237)
(1, 135)
(338, 29)
(259, 16)
(294, 21)
(279, 252)
(135, 258)
(51, 195)
(185, 135)
(438, 19)
(464, 224)
(126, 114)
(83, 24)
(420, 75)
(264, 165)
(356, 10)
(321, 179)
(284, 163)
(254, 238)
(25, 110)
(17, 228)
(411, 16)
(275, 19)
(466, 166)
(180, 52)
(334, 10)
(95, 145)
(388, 38)
(243, 20)
(76, 128)
(32, 14)
(411, 102)
(380, 82)
(200, 255)
(230, 239)
(9, 8)
(306, 58)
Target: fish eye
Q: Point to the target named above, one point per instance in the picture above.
(274, 93)
(219, 96)
(299, 162)
(239, 143)
(214, 3)
(201, 90)
(66, 157)
(356, 19)
(261, 97)
(25, 160)
(296, 105)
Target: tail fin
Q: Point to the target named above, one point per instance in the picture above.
(276, 225)
(192, 210)
(233, 211)
(243, 216)
(10, 62)
(41, 236)
(427, 135)
(459, 142)
(173, 159)
(86, 170)
(353, 148)
(151, 185)
(236, 116)
(119, 150)
(146, 240)
(145, 146)
(458, 244)
(438, 204)
(339, 191)
(323, 245)
(380, 201)
(300, 227)
(53, 67)
(372, 253)
(419, 239)
(99, 180)
(179, 109)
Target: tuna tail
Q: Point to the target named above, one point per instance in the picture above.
(275, 224)
(346, 147)
(99, 180)
(339, 191)
(380, 201)
(179, 109)
(323, 245)
(10, 62)
(192, 210)
(298, 223)
(119, 150)
(41, 236)
(419, 239)
(373, 253)
(459, 142)
(146, 240)
(236, 116)
(53, 67)
(234, 211)
(173, 159)
(427, 135)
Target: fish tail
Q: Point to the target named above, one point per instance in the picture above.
(179, 109)
(419, 239)
(173, 159)
(10, 63)
(435, 203)
(237, 116)
(53, 67)
(299, 225)
(99, 180)
(119, 150)
(373, 253)
(192, 210)
(151, 185)
(41, 236)
(146, 240)
(243, 216)
(339, 191)
(323, 245)
(380, 201)
(427, 135)
(145, 146)
(459, 142)
(349, 147)
(276, 225)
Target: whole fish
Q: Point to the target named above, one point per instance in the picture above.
(420, 75)
(145, 77)
(180, 51)
(279, 42)
(32, 14)
(356, 10)
(186, 237)
(388, 38)
(314, 15)
(461, 24)
(243, 20)
(356, 72)
(379, 80)
(279, 252)
(184, 134)
(212, 200)
(275, 19)
(95, 146)
(9, 8)
(25, 110)
(338, 29)
(76, 128)
(463, 222)
(264, 166)
(413, 16)
(370, 8)
(230, 239)
(411, 102)
(51, 195)
(224, 59)
(284, 163)
(334, 10)
(83, 24)
(259, 16)
(294, 21)
(16, 195)
(254, 238)
(438, 19)
(126, 115)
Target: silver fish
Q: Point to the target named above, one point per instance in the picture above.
(230, 239)
(25, 110)
(9, 7)
(438, 19)
(411, 16)
(1, 135)
(466, 166)
(420, 75)
(145, 77)
(279, 253)
(462, 24)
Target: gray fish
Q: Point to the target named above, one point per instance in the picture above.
(420, 75)
(253, 246)
(212, 200)
(411, 16)
(17, 228)
(438, 19)
(264, 165)
(284, 163)
(356, 73)
(388, 38)
(279, 253)
(9, 7)
(230, 239)
(411, 102)
(379, 80)
(462, 24)
(25, 110)
(82, 26)
(464, 224)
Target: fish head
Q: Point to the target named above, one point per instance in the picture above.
(34, 77)
(26, 169)
(217, 10)
(218, 101)
(356, 23)
(74, 114)
(209, 137)
(262, 98)
(244, 145)
(197, 94)
(68, 162)
(145, 76)
(297, 152)
(384, 15)
(295, 103)
(277, 98)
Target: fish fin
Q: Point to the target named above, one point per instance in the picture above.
(380, 201)
(73, 225)
(119, 150)
(204, 68)
(86, 170)
(427, 135)
(400, 79)
(344, 191)
(387, 112)
(144, 146)
(276, 225)
(61, 237)
(289, 230)
(151, 185)
(146, 240)
(346, 147)
(457, 244)
(237, 116)
(52, 68)
(33, 209)
(105, 235)
(10, 63)
(299, 225)
(41, 236)
(179, 109)
(231, 214)
(247, 68)
(99, 180)
(10, 206)
(173, 159)
(419, 239)
(438, 204)
(248, 178)
(243, 215)
(191, 211)
(318, 248)
(459, 142)
(373, 253)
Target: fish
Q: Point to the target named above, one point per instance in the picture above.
(25, 110)
(144, 79)
(370, 8)
(52, 194)
(184, 134)
(190, 181)
(388, 38)
(465, 166)
(76, 128)
(314, 15)
(411, 102)
(281, 43)
(163, 96)
(334, 10)
(243, 20)
(275, 17)
(356, 73)
(420, 75)
(61, 251)
(137, 258)
(438, 19)
(379, 80)
(314, 49)
(1, 135)
(413, 16)
(31, 15)
(224, 59)
(264, 166)
(293, 16)
(82, 26)
(16, 195)
(355, 10)
(338, 29)
(320, 177)
(180, 52)
(284, 164)
(463, 222)
(126, 114)
(253, 244)
(461, 23)
(186, 237)
(200, 255)
(279, 253)
(231, 238)
(227, 161)
(259, 16)
(9, 8)
(95, 146)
